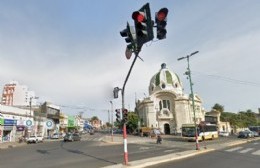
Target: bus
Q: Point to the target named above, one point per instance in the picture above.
(255, 129)
(204, 130)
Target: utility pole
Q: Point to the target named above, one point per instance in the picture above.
(192, 95)
(112, 118)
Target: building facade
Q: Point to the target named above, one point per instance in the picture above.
(167, 107)
(15, 94)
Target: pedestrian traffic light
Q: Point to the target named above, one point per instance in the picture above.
(143, 25)
(125, 115)
(161, 22)
(130, 37)
(118, 117)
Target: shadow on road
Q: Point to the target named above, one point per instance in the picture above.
(84, 154)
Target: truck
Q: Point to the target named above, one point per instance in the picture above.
(34, 139)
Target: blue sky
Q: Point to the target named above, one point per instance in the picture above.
(71, 52)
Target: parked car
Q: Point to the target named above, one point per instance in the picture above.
(255, 134)
(71, 137)
(245, 134)
(34, 139)
(223, 134)
(55, 136)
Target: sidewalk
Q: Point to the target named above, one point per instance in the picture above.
(180, 155)
(6, 145)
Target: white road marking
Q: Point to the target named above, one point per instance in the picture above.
(246, 150)
(233, 149)
(256, 152)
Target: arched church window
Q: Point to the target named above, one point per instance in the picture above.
(165, 104)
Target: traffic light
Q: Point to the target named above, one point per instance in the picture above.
(115, 92)
(130, 37)
(125, 115)
(161, 22)
(118, 117)
(143, 25)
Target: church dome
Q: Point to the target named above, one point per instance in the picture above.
(165, 80)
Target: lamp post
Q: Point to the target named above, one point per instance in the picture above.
(192, 95)
(112, 118)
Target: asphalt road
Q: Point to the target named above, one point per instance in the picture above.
(242, 156)
(86, 153)
(91, 152)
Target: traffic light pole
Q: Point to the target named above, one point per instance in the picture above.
(123, 107)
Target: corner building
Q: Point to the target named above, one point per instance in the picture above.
(167, 107)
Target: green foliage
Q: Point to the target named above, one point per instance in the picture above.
(241, 119)
(108, 124)
(218, 107)
(132, 123)
(94, 118)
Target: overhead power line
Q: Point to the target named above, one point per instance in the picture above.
(228, 79)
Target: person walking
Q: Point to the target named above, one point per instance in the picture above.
(159, 139)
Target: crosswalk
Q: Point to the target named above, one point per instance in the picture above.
(245, 150)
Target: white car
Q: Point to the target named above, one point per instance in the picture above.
(223, 134)
(34, 139)
(55, 136)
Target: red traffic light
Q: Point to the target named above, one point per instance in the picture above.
(125, 111)
(138, 16)
(162, 14)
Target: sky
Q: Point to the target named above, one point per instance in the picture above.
(71, 53)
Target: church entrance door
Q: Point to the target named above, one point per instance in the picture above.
(167, 129)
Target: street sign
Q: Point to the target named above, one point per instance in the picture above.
(128, 53)
(49, 124)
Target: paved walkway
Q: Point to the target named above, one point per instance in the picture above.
(5, 145)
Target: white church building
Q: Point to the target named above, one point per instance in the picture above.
(167, 107)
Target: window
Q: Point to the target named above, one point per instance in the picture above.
(163, 86)
(165, 104)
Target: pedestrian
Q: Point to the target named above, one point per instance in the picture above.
(159, 139)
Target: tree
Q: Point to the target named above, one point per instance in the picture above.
(218, 107)
(132, 123)
(94, 118)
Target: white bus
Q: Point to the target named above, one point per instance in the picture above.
(205, 131)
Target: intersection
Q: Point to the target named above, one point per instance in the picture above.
(99, 151)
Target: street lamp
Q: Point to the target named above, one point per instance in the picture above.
(30, 103)
(192, 95)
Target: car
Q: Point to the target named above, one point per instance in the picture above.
(255, 134)
(245, 134)
(55, 136)
(72, 137)
(34, 139)
(223, 134)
